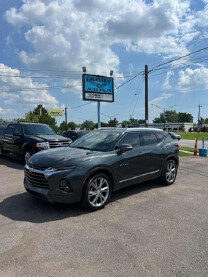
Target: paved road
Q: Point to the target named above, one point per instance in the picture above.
(146, 230)
(191, 143)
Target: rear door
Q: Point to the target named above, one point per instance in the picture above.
(151, 148)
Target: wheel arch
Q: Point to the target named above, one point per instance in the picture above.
(100, 170)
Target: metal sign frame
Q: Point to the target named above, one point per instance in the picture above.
(97, 92)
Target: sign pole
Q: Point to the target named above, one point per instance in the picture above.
(98, 113)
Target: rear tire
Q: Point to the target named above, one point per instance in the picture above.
(97, 192)
(0, 151)
(169, 173)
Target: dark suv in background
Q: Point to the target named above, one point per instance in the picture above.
(101, 162)
(23, 139)
(74, 135)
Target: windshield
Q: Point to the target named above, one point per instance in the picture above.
(96, 141)
(37, 130)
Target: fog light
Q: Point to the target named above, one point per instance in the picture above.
(65, 185)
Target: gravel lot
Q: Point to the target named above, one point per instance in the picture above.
(146, 230)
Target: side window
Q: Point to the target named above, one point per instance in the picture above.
(149, 138)
(160, 136)
(18, 130)
(10, 130)
(131, 138)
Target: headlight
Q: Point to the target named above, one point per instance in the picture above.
(44, 145)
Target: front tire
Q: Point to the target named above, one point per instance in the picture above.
(169, 173)
(97, 192)
(27, 154)
(0, 151)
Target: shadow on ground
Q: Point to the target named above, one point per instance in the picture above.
(23, 207)
(11, 163)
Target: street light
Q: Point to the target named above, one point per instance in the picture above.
(110, 115)
(164, 110)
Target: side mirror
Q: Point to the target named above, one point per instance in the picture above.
(124, 148)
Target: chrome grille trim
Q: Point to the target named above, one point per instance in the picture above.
(36, 177)
(54, 144)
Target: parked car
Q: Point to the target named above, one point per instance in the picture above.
(73, 135)
(103, 161)
(174, 135)
(23, 139)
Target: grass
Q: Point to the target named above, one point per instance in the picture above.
(193, 135)
(183, 154)
(190, 149)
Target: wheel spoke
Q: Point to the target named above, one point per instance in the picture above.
(98, 192)
(105, 189)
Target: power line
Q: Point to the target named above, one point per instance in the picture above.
(140, 73)
(187, 55)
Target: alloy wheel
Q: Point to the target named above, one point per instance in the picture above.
(98, 192)
(170, 172)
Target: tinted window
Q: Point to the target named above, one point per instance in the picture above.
(160, 136)
(149, 138)
(33, 129)
(82, 133)
(97, 141)
(10, 130)
(132, 139)
(2, 129)
(18, 130)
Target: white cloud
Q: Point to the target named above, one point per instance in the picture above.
(16, 89)
(67, 35)
(7, 111)
(166, 84)
(190, 79)
(159, 99)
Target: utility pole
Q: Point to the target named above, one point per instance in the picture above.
(146, 97)
(65, 114)
(199, 117)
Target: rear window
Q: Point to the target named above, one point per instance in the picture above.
(149, 138)
(160, 136)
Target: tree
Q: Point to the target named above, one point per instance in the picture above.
(125, 123)
(71, 125)
(206, 120)
(173, 116)
(63, 126)
(113, 122)
(88, 125)
(40, 114)
(185, 117)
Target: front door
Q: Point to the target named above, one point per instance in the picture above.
(129, 165)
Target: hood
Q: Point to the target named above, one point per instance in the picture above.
(61, 157)
(50, 138)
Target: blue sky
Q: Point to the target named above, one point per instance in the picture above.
(44, 45)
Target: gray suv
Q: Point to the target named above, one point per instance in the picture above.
(101, 162)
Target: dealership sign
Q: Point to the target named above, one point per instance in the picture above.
(97, 88)
(55, 112)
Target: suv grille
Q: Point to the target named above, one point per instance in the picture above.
(36, 179)
(54, 144)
